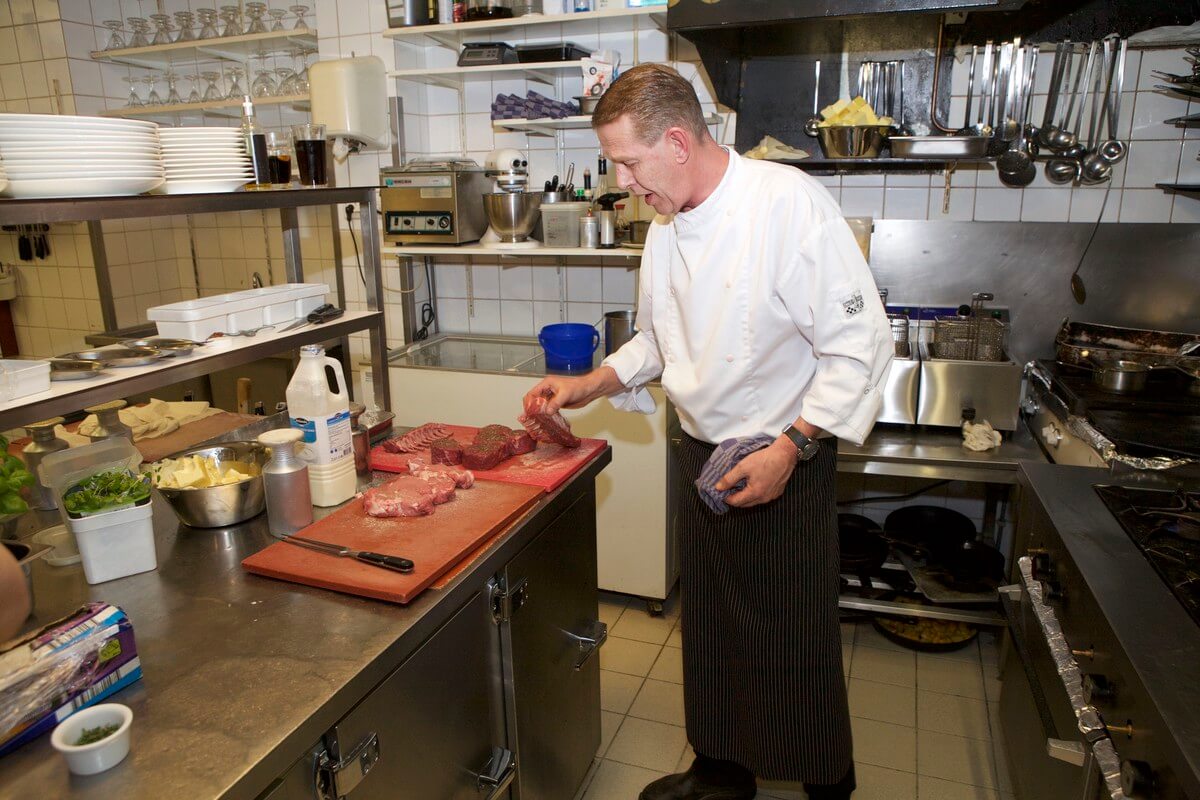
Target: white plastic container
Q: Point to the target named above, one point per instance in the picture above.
(21, 378)
(324, 419)
(560, 223)
(228, 313)
(90, 759)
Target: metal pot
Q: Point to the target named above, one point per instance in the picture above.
(1121, 377)
(850, 141)
(26, 554)
(638, 229)
(618, 329)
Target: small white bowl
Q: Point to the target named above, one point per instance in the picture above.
(90, 759)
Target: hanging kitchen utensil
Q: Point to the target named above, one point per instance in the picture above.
(1049, 128)
(1112, 149)
(1015, 167)
(1093, 168)
(966, 126)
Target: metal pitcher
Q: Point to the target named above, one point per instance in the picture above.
(618, 329)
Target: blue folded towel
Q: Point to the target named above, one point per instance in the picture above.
(723, 459)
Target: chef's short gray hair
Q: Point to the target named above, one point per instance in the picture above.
(656, 98)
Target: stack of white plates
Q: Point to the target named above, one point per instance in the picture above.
(55, 155)
(204, 160)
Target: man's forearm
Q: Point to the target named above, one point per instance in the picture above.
(786, 444)
(605, 383)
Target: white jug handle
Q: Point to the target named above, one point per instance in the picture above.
(336, 366)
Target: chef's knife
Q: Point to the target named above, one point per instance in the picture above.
(317, 316)
(395, 563)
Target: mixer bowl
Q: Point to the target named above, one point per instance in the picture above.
(512, 214)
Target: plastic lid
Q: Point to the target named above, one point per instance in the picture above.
(65, 550)
(312, 350)
(280, 436)
(63, 469)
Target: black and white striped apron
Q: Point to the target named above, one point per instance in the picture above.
(762, 655)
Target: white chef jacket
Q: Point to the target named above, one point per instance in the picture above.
(756, 307)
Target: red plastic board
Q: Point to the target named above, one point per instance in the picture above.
(434, 543)
(548, 466)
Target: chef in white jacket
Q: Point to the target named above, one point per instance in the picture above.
(760, 317)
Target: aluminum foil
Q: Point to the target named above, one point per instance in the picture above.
(1091, 724)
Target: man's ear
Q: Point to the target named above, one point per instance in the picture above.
(680, 143)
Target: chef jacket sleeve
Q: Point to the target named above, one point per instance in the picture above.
(832, 298)
(639, 360)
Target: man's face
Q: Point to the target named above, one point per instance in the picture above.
(651, 171)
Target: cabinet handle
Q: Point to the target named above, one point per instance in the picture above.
(590, 642)
(498, 774)
(337, 779)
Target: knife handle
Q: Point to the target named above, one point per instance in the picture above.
(388, 562)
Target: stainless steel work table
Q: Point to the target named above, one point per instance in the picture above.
(242, 674)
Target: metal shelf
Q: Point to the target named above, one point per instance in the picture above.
(65, 397)
(548, 127)
(455, 77)
(985, 617)
(452, 36)
(1180, 188)
(838, 166)
(225, 48)
(231, 109)
(476, 250)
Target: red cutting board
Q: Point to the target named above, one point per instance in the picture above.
(548, 466)
(434, 543)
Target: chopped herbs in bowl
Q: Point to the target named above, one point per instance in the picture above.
(99, 733)
(111, 490)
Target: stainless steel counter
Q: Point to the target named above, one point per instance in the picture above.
(497, 355)
(242, 673)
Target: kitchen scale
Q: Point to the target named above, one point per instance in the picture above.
(484, 54)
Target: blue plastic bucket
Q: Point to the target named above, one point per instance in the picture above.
(569, 345)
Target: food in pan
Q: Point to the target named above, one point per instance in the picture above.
(929, 631)
(200, 472)
(851, 112)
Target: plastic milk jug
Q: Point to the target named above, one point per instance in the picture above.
(324, 419)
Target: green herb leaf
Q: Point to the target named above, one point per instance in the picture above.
(106, 490)
(99, 733)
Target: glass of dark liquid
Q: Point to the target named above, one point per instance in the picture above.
(309, 141)
(279, 159)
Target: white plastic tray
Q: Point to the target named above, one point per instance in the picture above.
(228, 313)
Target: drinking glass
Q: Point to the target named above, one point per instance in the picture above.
(299, 11)
(208, 23)
(233, 20)
(140, 28)
(134, 101)
(279, 159)
(309, 141)
(235, 86)
(194, 94)
(115, 40)
(162, 29)
(186, 22)
(277, 15)
(172, 93)
(256, 10)
(264, 84)
(212, 93)
(152, 99)
(287, 81)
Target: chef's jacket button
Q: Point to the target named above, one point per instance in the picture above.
(672, 293)
(745, 418)
(729, 359)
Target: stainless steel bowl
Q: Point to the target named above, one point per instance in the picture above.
(587, 104)
(170, 347)
(119, 356)
(512, 214)
(73, 369)
(221, 506)
(852, 141)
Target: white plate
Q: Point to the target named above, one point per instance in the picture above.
(187, 160)
(89, 134)
(245, 177)
(200, 133)
(204, 152)
(97, 142)
(182, 147)
(81, 149)
(203, 186)
(99, 159)
(50, 175)
(76, 121)
(79, 165)
(82, 187)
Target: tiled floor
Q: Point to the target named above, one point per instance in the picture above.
(925, 726)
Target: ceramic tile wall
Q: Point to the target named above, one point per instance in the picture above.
(33, 58)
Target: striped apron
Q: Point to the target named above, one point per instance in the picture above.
(762, 655)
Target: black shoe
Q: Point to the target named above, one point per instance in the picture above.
(687, 786)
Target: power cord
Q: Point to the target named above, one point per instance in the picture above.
(357, 257)
(428, 315)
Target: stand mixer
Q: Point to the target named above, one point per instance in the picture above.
(512, 212)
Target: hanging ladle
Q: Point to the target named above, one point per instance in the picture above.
(1014, 166)
(1093, 169)
(1048, 130)
(1112, 149)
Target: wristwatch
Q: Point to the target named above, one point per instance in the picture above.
(806, 447)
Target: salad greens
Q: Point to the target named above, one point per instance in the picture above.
(99, 733)
(13, 478)
(105, 491)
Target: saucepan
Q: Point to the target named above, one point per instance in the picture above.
(1128, 377)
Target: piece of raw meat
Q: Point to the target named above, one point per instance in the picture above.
(440, 485)
(549, 428)
(463, 478)
(521, 442)
(446, 451)
(494, 431)
(404, 496)
(417, 439)
(485, 454)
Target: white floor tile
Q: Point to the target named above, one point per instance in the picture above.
(955, 758)
(628, 656)
(659, 701)
(648, 744)
(616, 781)
(676, 637)
(609, 722)
(947, 713)
(669, 666)
(617, 690)
(884, 744)
(883, 702)
(962, 678)
(883, 666)
(587, 779)
(642, 627)
(847, 657)
(969, 652)
(685, 760)
(937, 789)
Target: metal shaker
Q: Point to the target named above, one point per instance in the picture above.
(285, 482)
(108, 422)
(44, 443)
(589, 231)
(360, 440)
(608, 227)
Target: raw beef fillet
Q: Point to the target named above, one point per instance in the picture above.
(549, 428)
(446, 451)
(417, 439)
(440, 485)
(405, 496)
(521, 442)
(490, 431)
(485, 454)
(463, 478)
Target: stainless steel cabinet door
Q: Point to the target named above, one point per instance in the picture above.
(554, 628)
(433, 717)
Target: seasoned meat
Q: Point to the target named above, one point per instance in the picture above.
(521, 442)
(417, 439)
(496, 431)
(463, 478)
(446, 451)
(549, 428)
(405, 496)
(485, 454)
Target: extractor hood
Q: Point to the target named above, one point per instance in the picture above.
(685, 15)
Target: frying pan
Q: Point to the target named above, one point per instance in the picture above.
(861, 543)
(972, 567)
(928, 530)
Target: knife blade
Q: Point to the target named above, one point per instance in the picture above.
(395, 563)
(317, 316)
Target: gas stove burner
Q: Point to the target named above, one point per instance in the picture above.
(1184, 527)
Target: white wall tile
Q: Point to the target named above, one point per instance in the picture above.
(486, 319)
(1149, 111)
(1046, 205)
(516, 282)
(8, 46)
(546, 283)
(29, 43)
(862, 202)
(1086, 204)
(619, 285)
(53, 44)
(485, 279)
(962, 205)
(584, 284)
(1151, 162)
(516, 317)
(1186, 209)
(906, 203)
(586, 313)
(997, 204)
(1145, 205)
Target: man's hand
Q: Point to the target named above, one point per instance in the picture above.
(563, 392)
(766, 472)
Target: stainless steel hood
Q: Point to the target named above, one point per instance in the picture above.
(685, 15)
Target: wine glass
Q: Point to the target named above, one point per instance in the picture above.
(194, 94)
(172, 93)
(235, 86)
(212, 93)
(134, 101)
(264, 84)
(233, 20)
(299, 11)
(208, 23)
(186, 22)
(153, 98)
(115, 40)
(255, 11)
(277, 15)
(162, 29)
(287, 81)
(140, 28)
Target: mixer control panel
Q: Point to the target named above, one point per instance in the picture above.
(436, 223)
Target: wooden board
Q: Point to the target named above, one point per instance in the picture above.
(548, 466)
(434, 543)
(181, 439)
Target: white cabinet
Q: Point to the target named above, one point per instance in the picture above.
(635, 538)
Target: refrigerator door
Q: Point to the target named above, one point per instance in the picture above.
(551, 642)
